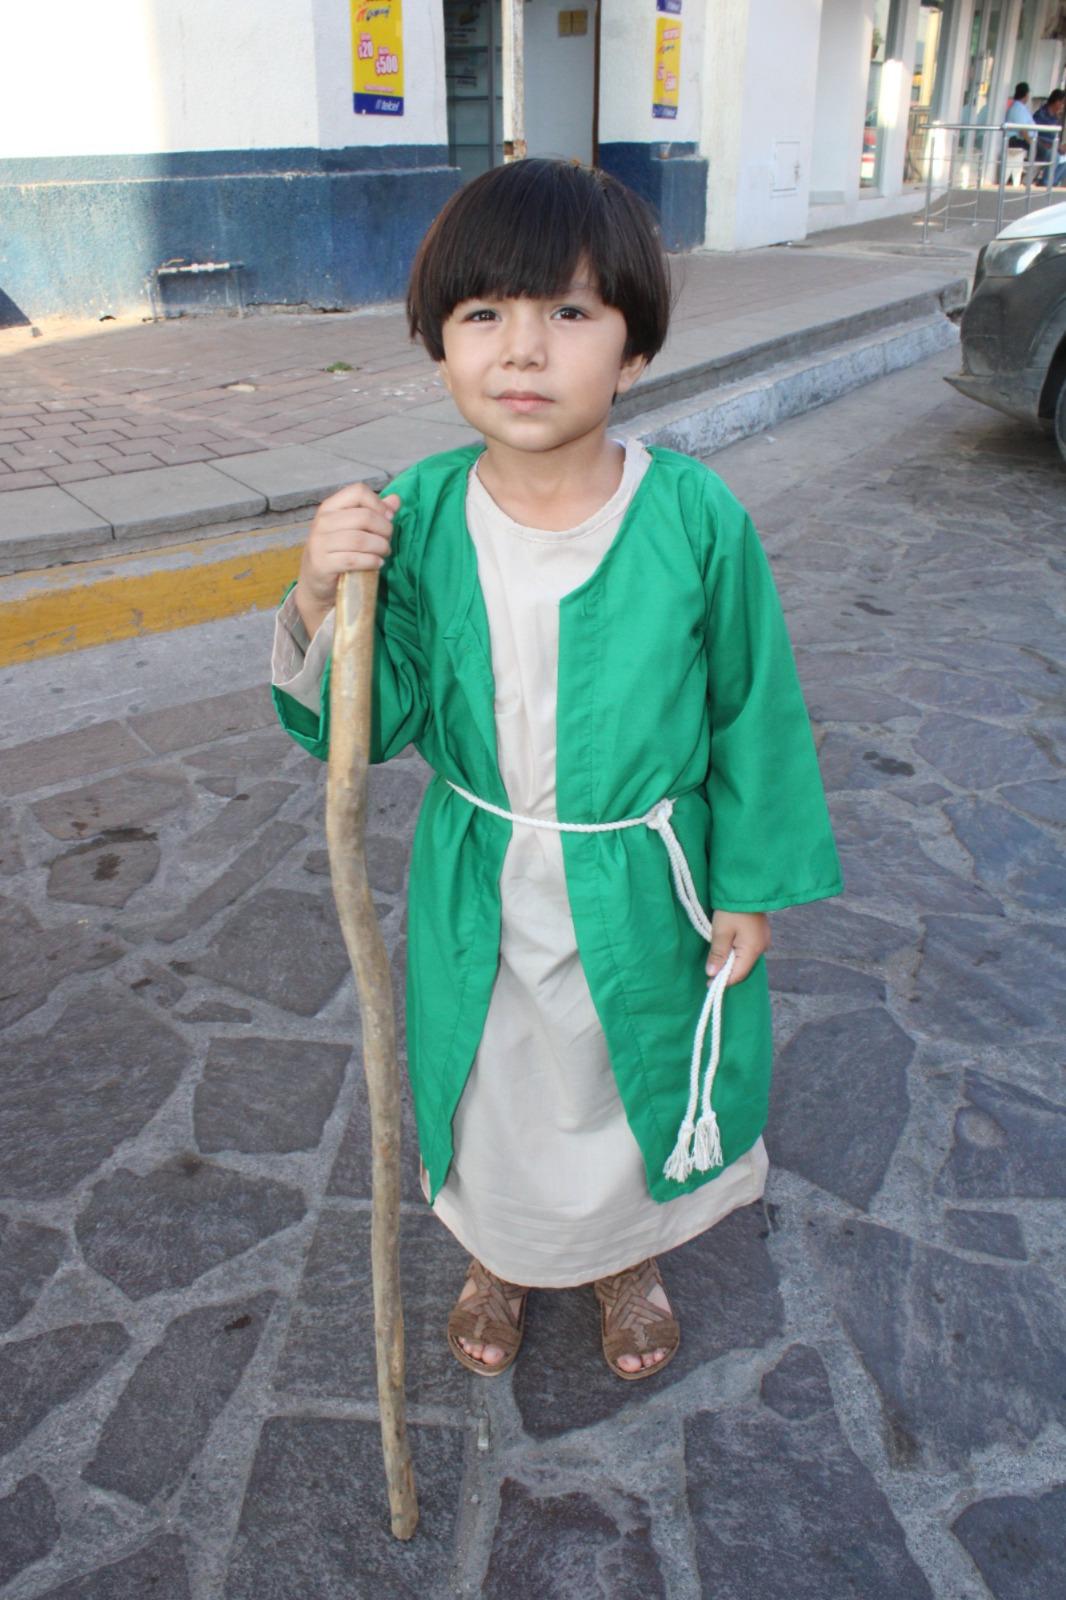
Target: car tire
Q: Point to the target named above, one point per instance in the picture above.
(1060, 420)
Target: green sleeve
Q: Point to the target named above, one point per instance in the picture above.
(771, 840)
(399, 703)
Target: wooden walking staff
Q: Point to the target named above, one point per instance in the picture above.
(349, 750)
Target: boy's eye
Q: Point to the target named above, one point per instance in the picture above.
(571, 313)
(480, 314)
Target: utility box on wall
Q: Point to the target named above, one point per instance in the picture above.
(786, 166)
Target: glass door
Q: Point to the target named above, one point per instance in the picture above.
(473, 70)
(984, 39)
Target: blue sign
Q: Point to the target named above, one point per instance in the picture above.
(378, 105)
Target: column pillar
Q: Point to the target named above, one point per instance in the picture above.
(760, 67)
(658, 156)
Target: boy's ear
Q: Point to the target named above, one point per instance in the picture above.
(631, 371)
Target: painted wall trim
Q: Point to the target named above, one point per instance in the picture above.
(671, 177)
(219, 163)
(332, 234)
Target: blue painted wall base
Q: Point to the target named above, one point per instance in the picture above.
(672, 178)
(329, 228)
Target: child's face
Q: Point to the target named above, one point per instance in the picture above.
(537, 375)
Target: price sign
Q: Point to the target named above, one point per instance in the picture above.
(377, 57)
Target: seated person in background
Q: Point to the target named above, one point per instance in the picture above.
(1019, 112)
(1050, 146)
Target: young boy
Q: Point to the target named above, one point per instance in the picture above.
(583, 640)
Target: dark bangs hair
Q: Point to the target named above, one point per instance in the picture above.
(521, 229)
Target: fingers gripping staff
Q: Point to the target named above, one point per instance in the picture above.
(353, 648)
(699, 1142)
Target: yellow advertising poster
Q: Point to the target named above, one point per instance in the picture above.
(377, 57)
(667, 86)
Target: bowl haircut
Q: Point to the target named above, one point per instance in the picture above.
(522, 230)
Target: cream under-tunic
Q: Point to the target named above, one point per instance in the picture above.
(547, 1184)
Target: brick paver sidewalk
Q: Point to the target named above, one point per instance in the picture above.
(91, 402)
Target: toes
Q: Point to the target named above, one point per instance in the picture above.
(489, 1355)
(630, 1363)
(653, 1357)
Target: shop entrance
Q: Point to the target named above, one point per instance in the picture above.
(560, 64)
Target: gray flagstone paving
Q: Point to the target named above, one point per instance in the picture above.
(869, 1396)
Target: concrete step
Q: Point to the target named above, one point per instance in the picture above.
(667, 386)
(718, 417)
(228, 572)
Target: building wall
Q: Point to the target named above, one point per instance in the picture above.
(425, 118)
(760, 66)
(137, 78)
(181, 129)
(158, 129)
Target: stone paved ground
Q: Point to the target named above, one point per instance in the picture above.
(869, 1400)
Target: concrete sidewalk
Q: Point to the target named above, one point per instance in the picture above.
(120, 439)
(756, 339)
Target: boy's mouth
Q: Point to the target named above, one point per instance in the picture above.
(523, 400)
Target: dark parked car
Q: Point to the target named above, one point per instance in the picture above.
(1014, 328)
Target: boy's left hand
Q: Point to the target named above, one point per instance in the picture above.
(746, 932)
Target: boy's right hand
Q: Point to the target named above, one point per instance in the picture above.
(352, 532)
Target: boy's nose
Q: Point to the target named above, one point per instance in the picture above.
(524, 346)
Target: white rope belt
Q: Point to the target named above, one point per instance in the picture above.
(699, 1143)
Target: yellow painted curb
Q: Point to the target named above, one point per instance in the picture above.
(74, 608)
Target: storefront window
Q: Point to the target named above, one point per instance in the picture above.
(930, 50)
(932, 35)
(984, 39)
(885, 16)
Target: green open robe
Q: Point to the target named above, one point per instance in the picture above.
(676, 679)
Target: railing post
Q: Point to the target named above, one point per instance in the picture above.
(980, 187)
(1001, 198)
(928, 186)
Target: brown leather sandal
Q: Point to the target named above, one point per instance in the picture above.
(486, 1316)
(631, 1324)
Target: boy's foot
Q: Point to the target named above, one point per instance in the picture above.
(485, 1329)
(639, 1331)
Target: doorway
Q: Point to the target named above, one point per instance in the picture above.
(561, 50)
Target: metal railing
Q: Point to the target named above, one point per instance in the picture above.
(974, 169)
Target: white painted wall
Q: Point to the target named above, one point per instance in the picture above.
(425, 114)
(627, 67)
(760, 65)
(125, 77)
(134, 76)
(560, 80)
